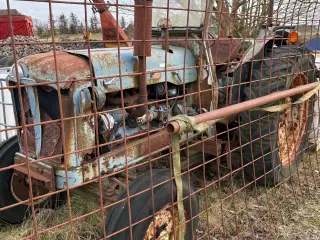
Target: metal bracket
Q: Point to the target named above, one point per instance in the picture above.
(38, 170)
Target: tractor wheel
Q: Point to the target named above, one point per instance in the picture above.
(14, 187)
(142, 208)
(274, 143)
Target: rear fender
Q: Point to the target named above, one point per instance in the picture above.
(257, 46)
(225, 49)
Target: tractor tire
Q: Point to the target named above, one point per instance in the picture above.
(15, 215)
(141, 207)
(271, 151)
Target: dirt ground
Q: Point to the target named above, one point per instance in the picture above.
(289, 211)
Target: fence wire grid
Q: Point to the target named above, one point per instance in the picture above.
(168, 119)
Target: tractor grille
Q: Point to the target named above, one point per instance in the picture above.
(51, 143)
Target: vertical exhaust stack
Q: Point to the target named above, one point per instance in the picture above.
(142, 27)
(142, 49)
(270, 13)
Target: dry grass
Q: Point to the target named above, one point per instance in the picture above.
(90, 227)
(290, 211)
(57, 37)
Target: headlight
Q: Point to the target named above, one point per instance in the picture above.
(86, 101)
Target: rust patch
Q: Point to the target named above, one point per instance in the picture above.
(139, 148)
(107, 59)
(225, 49)
(51, 140)
(210, 146)
(29, 131)
(31, 139)
(164, 224)
(50, 134)
(41, 67)
(157, 141)
(67, 108)
(293, 126)
(38, 171)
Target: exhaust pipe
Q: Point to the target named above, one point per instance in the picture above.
(270, 13)
(142, 49)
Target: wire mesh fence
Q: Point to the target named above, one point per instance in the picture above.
(198, 120)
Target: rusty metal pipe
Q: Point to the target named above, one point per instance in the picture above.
(173, 127)
(143, 32)
(143, 92)
(270, 13)
(142, 28)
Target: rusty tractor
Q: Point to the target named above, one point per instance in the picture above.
(82, 115)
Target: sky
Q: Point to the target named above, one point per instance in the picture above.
(40, 10)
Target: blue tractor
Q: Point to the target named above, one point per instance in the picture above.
(84, 115)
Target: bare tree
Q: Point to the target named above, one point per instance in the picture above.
(41, 28)
(231, 17)
(298, 12)
(241, 18)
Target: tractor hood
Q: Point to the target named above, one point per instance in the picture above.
(74, 65)
(41, 68)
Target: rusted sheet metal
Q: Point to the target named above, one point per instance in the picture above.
(292, 126)
(79, 132)
(69, 133)
(35, 111)
(255, 48)
(131, 154)
(41, 68)
(42, 140)
(111, 189)
(29, 131)
(75, 177)
(208, 146)
(106, 65)
(135, 151)
(117, 159)
(51, 139)
(38, 170)
(225, 49)
(31, 102)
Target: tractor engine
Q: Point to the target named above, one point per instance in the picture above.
(106, 83)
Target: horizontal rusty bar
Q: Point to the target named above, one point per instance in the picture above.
(39, 171)
(174, 127)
